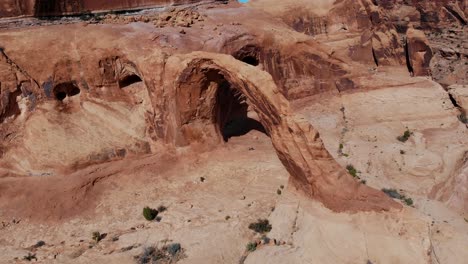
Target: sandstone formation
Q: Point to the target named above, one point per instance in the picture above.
(341, 122)
(12, 8)
(419, 53)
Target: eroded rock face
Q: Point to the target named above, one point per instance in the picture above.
(11, 8)
(426, 14)
(419, 52)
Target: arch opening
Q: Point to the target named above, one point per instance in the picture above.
(64, 90)
(249, 54)
(129, 80)
(234, 117)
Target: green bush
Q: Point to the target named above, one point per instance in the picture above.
(96, 236)
(352, 170)
(150, 213)
(396, 195)
(261, 226)
(408, 201)
(405, 137)
(251, 246)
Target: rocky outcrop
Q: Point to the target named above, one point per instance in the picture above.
(197, 115)
(418, 53)
(12, 8)
(15, 84)
(426, 14)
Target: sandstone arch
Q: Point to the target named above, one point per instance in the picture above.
(298, 145)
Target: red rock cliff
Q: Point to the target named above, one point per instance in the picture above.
(12, 8)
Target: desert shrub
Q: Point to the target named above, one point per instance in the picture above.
(408, 201)
(150, 213)
(251, 246)
(96, 236)
(396, 195)
(168, 254)
(282, 186)
(30, 256)
(406, 135)
(278, 192)
(227, 217)
(261, 226)
(402, 152)
(147, 255)
(173, 248)
(352, 170)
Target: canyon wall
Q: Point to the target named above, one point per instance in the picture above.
(13, 8)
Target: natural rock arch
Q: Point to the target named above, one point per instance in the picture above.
(190, 118)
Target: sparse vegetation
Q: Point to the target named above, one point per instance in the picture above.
(406, 135)
(352, 171)
(408, 201)
(167, 254)
(173, 248)
(96, 236)
(278, 192)
(150, 213)
(396, 195)
(282, 186)
(227, 217)
(251, 246)
(402, 152)
(261, 226)
(202, 179)
(30, 256)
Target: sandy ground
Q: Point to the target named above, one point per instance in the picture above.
(241, 179)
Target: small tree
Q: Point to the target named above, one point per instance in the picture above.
(150, 213)
(251, 246)
(261, 226)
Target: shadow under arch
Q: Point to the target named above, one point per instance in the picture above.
(194, 117)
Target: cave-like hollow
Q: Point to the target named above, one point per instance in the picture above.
(67, 89)
(233, 115)
(129, 80)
